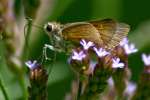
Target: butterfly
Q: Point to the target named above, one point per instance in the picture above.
(106, 33)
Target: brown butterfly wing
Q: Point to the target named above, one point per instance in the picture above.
(111, 32)
(77, 31)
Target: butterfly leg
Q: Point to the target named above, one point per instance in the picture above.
(45, 51)
(48, 46)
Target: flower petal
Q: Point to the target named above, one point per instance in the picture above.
(86, 45)
(146, 59)
(101, 52)
(124, 41)
(130, 89)
(117, 64)
(130, 48)
(78, 56)
(31, 65)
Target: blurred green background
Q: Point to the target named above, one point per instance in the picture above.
(133, 12)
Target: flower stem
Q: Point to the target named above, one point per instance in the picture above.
(38, 84)
(3, 90)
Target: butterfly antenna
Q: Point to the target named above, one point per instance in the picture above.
(27, 30)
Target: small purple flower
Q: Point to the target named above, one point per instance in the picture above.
(86, 45)
(124, 41)
(78, 56)
(110, 82)
(117, 63)
(130, 48)
(146, 59)
(130, 89)
(101, 52)
(31, 65)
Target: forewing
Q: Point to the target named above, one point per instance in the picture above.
(111, 32)
(77, 31)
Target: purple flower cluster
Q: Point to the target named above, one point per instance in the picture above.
(130, 48)
(80, 55)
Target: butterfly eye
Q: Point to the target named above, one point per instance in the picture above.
(49, 27)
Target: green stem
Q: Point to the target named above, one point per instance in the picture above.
(79, 90)
(23, 86)
(3, 90)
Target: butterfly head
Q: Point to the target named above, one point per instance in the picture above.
(52, 28)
